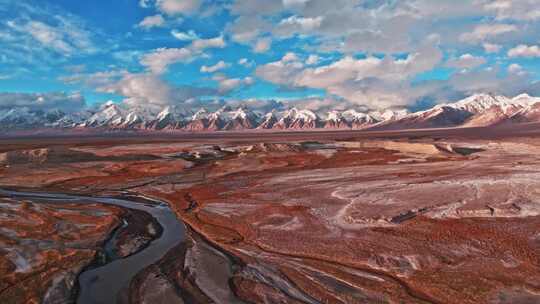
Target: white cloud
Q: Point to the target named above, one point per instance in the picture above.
(94, 80)
(262, 45)
(517, 69)
(160, 59)
(294, 3)
(514, 9)
(372, 81)
(149, 90)
(49, 36)
(216, 67)
(177, 7)
(185, 36)
(523, 50)
(152, 21)
(491, 48)
(42, 101)
(261, 7)
(201, 44)
(281, 72)
(488, 80)
(312, 59)
(288, 57)
(296, 24)
(485, 31)
(35, 39)
(144, 3)
(248, 28)
(245, 62)
(229, 84)
(141, 88)
(64, 37)
(466, 61)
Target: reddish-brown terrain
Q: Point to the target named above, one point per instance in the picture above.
(433, 216)
(45, 245)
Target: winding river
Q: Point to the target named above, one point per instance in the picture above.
(106, 283)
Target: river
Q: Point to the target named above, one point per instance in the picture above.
(106, 283)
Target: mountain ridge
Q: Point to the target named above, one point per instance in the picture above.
(473, 111)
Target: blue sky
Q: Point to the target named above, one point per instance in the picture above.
(317, 54)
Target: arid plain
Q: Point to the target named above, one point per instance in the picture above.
(433, 216)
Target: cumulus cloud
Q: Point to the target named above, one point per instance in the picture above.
(281, 72)
(517, 10)
(177, 7)
(246, 29)
(216, 67)
(517, 69)
(160, 59)
(185, 36)
(263, 7)
(466, 61)
(245, 62)
(226, 84)
(372, 81)
(523, 50)
(485, 31)
(144, 3)
(140, 89)
(290, 56)
(389, 35)
(294, 3)
(295, 24)
(320, 104)
(150, 90)
(201, 44)
(488, 81)
(152, 21)
(373, 42)
(312, 59)
(42, 101)
(491, 48)
(262, 45)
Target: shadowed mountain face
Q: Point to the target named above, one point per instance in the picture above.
(474, 111)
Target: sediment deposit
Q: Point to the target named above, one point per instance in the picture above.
(402, 220)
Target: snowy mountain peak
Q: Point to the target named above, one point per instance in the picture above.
(476, 110)
(478, 102)
(306, 115)
(389, 114)
(334, 116)
(523, 96)
(240, 113)
(291, 113)
(201, 114)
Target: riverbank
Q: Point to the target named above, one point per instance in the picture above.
(138, 237)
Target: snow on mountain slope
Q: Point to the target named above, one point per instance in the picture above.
(242, 119)
(479, 103)
(268, 121)
(335, 120)
(476, 110)
(438, 117)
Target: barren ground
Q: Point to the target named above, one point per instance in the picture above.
(433, 217)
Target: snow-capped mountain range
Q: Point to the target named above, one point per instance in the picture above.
(476, 110)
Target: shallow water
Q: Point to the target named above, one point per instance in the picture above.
(104, 284)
